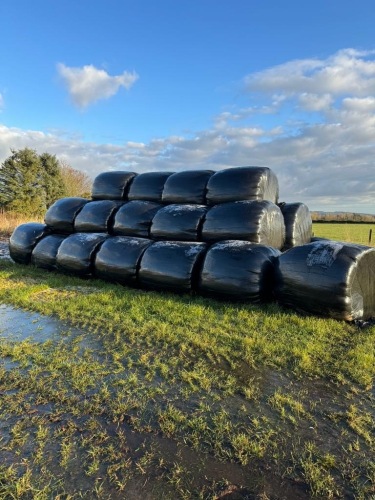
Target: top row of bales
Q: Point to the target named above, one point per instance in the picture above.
(204, 187)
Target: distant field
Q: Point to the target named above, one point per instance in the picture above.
(356, 233)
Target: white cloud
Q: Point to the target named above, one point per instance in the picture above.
(346, 72)
(88, 84)
(356, 104)
(314, 102)
(327, 166)
(327, 163)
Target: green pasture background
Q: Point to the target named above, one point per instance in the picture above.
(355, 233)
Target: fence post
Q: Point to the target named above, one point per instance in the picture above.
(370, 236)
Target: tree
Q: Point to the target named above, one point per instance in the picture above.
(52, 181)
(76, 183)
(30, 183)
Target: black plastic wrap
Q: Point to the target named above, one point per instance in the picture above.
(119, 257)
(148, 186)
(242, 183)
(96, 216)
(61, 215)
(77, 252)
(318, 238)
(45, 251)
(328, 278)
(171, 265)
(298, 224)
(112, 185)
(23, 240)
(239, 270)
(189, 186)
(135, 217)
(178, 222)
(255, 221)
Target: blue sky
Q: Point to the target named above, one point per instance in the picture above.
(152, 85)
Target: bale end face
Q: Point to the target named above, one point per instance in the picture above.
(23, 240)
(328, 278)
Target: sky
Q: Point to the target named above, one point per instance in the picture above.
(145, 85)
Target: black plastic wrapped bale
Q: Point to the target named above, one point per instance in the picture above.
(24, 238)
(61, 215)
(255, 221)
(328, 278)
(77, 252)
(96, 216)
(239, 270)
(45, 251)
(119, 257)
(112, 185)
(148, 186)
(298, 224)
(189, 186)
(318, 238)
(135, 217)
(178, 222)
(242, 183)
(171, 265)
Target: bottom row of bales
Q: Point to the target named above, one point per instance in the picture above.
(327, 278)
(237, 269)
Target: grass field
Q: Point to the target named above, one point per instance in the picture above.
(357, 233)
(167, 396)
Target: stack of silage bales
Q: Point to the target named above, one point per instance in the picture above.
(215, 233)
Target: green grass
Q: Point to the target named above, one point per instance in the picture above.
(356, 233)
(181, 395)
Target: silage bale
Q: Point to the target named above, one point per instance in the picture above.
(119, 257)
(255, 221)
(45, 251)
(189, 186)
(171, 265)
(328, 278)
(298, 224)
(24, 238)
(135, 217)
(318, 238)
(178, 222)
(77, 252)
(242, 183)
(61, 215)
(148, 186)
(239, 270)
(96, 216)
(112, 185)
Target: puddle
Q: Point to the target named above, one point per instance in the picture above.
(18, 325)
(4, 250)
(8, 364)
